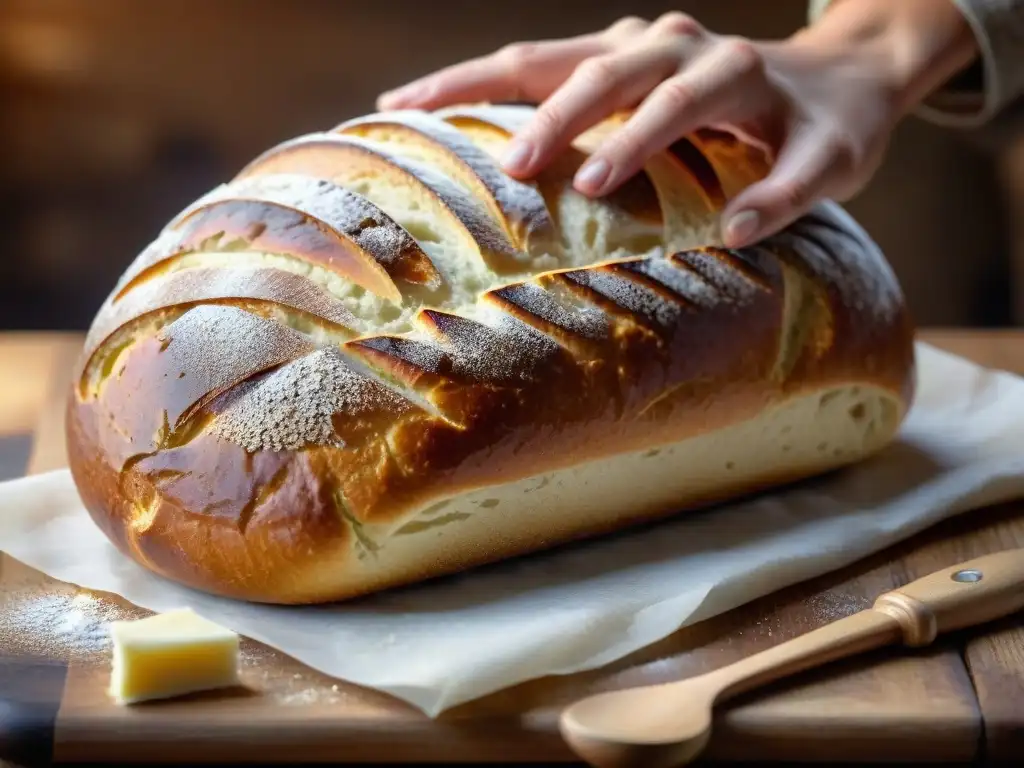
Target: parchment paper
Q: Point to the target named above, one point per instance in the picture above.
(447, 642)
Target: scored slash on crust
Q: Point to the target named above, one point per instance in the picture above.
(386, 250)
(298, 216)
(252, 224)
(492, 127)
(580, 327)
(210, 349)
(680, 189)
(515, 205)
(259, 289)
(350, 161)
(191, 362)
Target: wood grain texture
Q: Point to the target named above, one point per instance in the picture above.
(889, 705)
(643, 725)
(995, 659)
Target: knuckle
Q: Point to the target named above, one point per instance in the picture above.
(677, 95)
(678, 24)
(628, 143)
(628, 25)
(796, 194)
(517, 57)
(548, 120)
(844, 152)
(599, 70)
(743, 55)
(623, 147)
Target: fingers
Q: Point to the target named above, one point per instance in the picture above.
(597, 88)
(724, 84)
(519, 72)
(811, 165)
(643, 56)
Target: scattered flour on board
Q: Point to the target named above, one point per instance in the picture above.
(63, 624)
(73, 625)
(831, 606)
(274, 675)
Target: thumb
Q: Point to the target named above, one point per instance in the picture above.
(805, 171)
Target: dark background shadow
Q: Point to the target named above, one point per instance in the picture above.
(116, 113)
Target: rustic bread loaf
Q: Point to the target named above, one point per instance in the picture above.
(373, 358)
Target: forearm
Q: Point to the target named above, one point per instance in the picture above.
(914, 46)
(995, 81)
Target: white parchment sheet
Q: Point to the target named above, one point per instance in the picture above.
(450, 641)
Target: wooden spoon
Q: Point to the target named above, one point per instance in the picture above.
(659, 726)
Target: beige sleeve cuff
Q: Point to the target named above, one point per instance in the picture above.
(977, 95)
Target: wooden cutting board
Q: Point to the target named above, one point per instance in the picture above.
(951, 702)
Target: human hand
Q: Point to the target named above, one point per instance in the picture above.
(823, 102)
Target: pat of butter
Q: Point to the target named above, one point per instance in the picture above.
(171, 654)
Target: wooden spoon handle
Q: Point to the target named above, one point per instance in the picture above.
(840, 639)
(974, 592)
(669, 724)
(971, 593)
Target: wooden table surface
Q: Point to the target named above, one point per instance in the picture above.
(957, 701)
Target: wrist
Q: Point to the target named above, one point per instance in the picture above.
(910, 47)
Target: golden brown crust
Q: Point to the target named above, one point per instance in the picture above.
(347, 160)
(367, 248)
(518, 208)
(241, 428)
(249, 286)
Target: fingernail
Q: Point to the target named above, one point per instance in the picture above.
(517, 156)
(741, 228)
(593, 175)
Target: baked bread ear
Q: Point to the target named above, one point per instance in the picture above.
(373, 358)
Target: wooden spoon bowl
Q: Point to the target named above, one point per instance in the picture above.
(661, 726)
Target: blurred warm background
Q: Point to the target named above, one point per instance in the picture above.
(115, 113)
